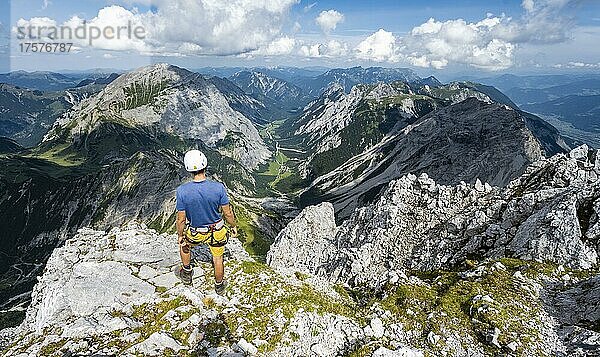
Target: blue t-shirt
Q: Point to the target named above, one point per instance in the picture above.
(201, 202)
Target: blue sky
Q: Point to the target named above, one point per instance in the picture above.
(462, 36)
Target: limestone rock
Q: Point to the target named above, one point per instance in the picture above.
(551, 213)
(314, 227)
(115, 294)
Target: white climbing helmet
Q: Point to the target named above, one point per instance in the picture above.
(195, 160)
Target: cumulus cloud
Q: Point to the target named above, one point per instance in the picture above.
(204, 27)
(281, 46)
(219, 27)
(330, 49)
(380, 46)
(329, 19)
(487, 44)
(436, 44)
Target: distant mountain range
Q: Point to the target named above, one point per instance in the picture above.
(525, 96)
(403, 128)
(26, 115)
(568, 101)
(46, 81)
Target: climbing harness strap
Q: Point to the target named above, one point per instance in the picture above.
(206, 234)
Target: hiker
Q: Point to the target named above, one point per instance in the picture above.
(199, 220)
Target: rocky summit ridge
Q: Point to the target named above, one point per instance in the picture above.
(427, 269)
(550, 213)
(549, 216)
(115, 293)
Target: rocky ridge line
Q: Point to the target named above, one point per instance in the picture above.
(550, 213)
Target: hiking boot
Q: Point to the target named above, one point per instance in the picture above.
(185, 275)
(220, 287)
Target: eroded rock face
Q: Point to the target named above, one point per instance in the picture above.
(316, 227)
(548, 214)
(580, 305)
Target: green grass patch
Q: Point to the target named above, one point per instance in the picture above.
(58, 155)
(253, 240)
(446, 303)
(263, 300)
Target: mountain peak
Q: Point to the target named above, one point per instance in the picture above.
(156, 72)
(176, 102)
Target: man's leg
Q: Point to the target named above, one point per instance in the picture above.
(185, 272)
(219, 268)
(220, 283)
(186, 254)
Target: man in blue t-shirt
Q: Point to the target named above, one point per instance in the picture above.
(199, 206)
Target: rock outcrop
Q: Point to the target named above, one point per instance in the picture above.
(517, 267)
(315, 225)
(548, 214)
(115, 293)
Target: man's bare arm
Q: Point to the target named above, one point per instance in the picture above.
(228, 215)
(180, 223)
(230, 218)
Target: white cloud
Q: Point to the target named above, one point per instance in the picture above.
(336, 49)
(297, 27)
(579, 65)
(487, 44)
(37, 23)
(212, 27)
(190, 48)
(100, 32)
(437, 44)
(45, 4)
(378, 47)
(528, 5)
(329, 19)
(310, 50)
(331, 49)
(279, 47)
(309, 7)
(219, 27)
